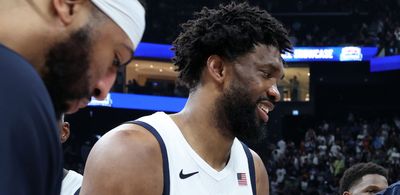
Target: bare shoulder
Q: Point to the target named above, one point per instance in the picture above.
(126, 160)
(262, 180)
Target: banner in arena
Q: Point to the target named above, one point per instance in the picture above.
(385, 63)
(141, 102)
(335, 54)
(300, 54)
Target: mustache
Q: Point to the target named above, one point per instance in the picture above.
(270, 99)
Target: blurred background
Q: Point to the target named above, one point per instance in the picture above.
(340, 96)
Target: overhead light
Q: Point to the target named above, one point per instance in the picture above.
(151, 66)
(295, 112)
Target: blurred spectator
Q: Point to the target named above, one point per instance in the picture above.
(312, 23)
(397, 36)
(319, 161)
(72, 180)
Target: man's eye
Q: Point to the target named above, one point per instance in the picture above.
(372, 191)
(266, 75)
(116, 62)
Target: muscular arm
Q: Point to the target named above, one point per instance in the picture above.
(127, 160)
(262, 181)
(31, 161)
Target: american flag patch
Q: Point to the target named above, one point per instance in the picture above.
(241, 177)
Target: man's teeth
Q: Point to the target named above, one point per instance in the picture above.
(265, 109)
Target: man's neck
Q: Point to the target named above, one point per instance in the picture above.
(23, 32)
(199, 128)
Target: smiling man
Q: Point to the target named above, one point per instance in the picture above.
(230, 58)
(363, 179)
(55, 55)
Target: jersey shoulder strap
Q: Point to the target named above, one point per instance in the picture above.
(164, 155)
(252, 171)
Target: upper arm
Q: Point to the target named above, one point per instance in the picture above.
(262, 181)
(29, 141)
(125, 161)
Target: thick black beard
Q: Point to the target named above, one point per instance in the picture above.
(66, 73)
(236, 115)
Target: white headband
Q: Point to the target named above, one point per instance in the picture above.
(127, 14)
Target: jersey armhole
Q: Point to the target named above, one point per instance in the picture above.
(250, 162)
(77, 191)
(164, 154)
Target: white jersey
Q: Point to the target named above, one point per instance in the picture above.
(185, 172)
(71, 183)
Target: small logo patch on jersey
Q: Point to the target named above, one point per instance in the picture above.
(242, 180)
(184, 176)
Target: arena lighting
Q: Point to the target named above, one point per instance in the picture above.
(295, 112)
(300, 54)
(141, 102)
(385, 63)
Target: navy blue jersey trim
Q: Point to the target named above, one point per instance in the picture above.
(77, 191)
(251, 168)
(163, 153)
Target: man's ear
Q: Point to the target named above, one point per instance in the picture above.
(216, 68)
(66, 10)
(65, 132)
(346, 193)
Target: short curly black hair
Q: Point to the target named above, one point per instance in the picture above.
(354, 174)
(230, 31)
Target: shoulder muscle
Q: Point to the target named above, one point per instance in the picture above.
(127, 160)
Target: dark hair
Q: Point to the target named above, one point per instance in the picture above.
(354, 174)
(230, 31)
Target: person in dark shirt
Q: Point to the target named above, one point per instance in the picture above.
(72, 180)
(55, 55)
(393, 189)
(31, 154)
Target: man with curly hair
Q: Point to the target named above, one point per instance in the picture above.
(230, 58)
(363, 178)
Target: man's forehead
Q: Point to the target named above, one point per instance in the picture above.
(128, 15)
(374, 178)
(263, 54)
(371, 179)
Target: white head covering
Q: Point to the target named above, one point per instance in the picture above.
(127, 14)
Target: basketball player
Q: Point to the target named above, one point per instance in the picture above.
(72, 180)
(54, 55)
(230, 58)
(363, 178)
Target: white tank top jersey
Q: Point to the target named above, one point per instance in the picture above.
(185, 172)
(71, 184)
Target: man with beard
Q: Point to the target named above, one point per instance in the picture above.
(230, 58)
(54, 55)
